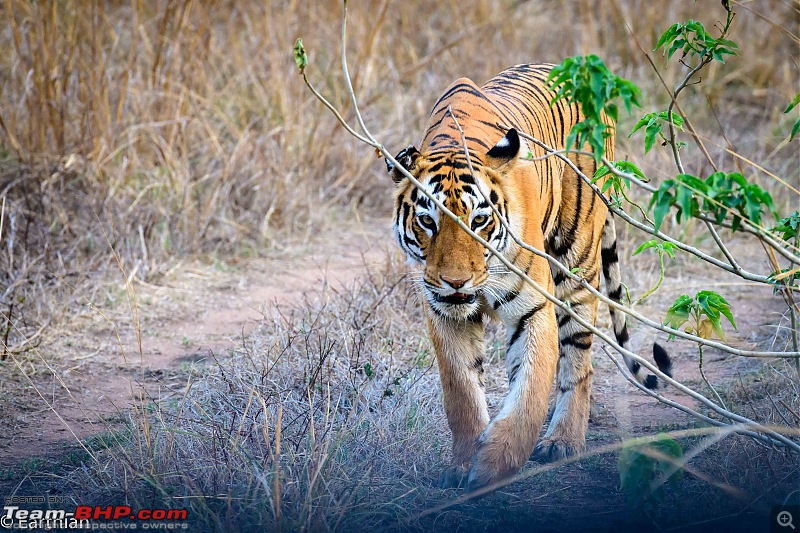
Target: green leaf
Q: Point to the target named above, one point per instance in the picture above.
(643, 463)
(645, 246)
(692, 39)
(368, 371)
(653, 125)
(663, 200)
(793, 103)
(795, 130)
(650, 136)
(705, 303)
(639, 125)
(601, 172)
(300, 57)
(678, 312)
(787, 226)
(631, 168)
(586, 81)
(613, 111)
(668, 36)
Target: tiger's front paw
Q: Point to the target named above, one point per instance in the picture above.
(552, 449)
(453, 476)
(499, 457)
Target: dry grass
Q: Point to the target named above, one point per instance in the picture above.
(303, 428)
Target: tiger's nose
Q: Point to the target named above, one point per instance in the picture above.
(455, 283)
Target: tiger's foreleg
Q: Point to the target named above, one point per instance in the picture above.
(459, 347)
(566, 434)
(531, 356)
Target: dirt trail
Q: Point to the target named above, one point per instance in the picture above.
(195, 311)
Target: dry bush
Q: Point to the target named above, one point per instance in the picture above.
(170, 128)
(306, 426)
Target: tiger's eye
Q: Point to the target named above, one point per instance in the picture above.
(479, 220)
(427, 221)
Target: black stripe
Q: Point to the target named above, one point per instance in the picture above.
(507, 297)
(616, 293)
(556, 250)
(608, 256)
(584, 256)
(465, 87)
(662, 359)
(623, 336)
(476, 317)
(580, 339)
(559, 277)
(512, 375)
(436, 311)
(477, 141)
(521, 324)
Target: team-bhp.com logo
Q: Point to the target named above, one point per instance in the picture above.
(93, 517)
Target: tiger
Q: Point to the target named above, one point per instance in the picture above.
(543, 202)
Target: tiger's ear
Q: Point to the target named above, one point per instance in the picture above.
(506, 150)
(407, 158)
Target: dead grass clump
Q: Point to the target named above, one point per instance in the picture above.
(306, 426)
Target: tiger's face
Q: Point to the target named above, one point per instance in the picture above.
(456, 268)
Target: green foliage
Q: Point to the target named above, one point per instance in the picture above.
(703, 313)
(645, 467)
(693, 40)
(300, 57)
(796, 127)
(787, 229)
(787, 226)
(587, 81)
(368, 371)
(717, 195)
(619, 183)
(784, 276)
(653, 124)
(662, 247)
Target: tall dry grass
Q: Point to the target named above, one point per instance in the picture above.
(175, 127)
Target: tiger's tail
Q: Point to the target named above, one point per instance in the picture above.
(613, 281)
